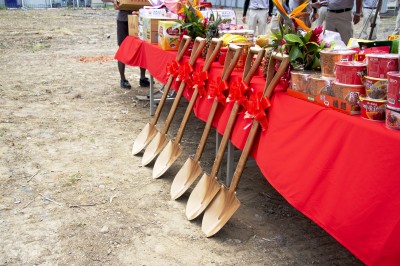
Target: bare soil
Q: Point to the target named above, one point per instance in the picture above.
(70, 191)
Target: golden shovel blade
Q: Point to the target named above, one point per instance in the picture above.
(221, 209)
(201, 196)
(185, 177)
(166, 158)
(154, 148)
(144, 138)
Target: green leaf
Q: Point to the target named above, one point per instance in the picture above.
(295, 53)
(293, 38)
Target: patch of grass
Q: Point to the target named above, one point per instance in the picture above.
(38, 46)
(74, 178)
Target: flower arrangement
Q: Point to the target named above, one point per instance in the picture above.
(194, 24)
(301, 43)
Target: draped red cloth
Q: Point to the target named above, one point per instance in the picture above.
(341, 171)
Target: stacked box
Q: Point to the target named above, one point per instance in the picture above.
(168, 35)
(148, 23)
(133, 25)
(133, 5)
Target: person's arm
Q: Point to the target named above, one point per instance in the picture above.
(246, 6)
(270, 10)
(357, 15)
(116, 4)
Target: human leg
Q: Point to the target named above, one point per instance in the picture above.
(252, 20)
(344, 25)
(262, 16)
(143, 82)
(122, 32)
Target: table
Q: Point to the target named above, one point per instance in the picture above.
(341, 171)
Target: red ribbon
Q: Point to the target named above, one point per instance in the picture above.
(173, 68)
(199, 79)
(184, 73)
(256, 107)
(216, 89)
(237, 91)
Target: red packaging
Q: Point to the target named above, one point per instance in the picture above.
(393, 89)
(375, 88)
(392, 118)
(351, 72)
(373, 109)
(379, 64)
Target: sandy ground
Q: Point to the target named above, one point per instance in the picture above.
(70, 191)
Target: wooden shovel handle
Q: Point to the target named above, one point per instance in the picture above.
(212, 52)
(186, 116)
(232, 57)
(248, 73)
(224, 141)
(272, 80)
(272, 77)
(183, 46)
(251, 67)
(244, 156)
(162, 100)
(198, 46)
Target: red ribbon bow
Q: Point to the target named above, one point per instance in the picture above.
(184, 73)
(199, 79)
(256, 106)
(215, 90)
(237, 91)
(173, 68)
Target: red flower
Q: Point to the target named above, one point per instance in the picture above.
(316, 35)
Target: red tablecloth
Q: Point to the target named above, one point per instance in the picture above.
(339, 170)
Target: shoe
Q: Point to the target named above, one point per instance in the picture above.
(144, 82)
(125, 84)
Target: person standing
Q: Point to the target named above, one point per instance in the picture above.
(369, 11)
(319, 16)
(339, 17)
(122, 32)
(260, 14)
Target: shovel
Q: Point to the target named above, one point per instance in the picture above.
(208, 185)
(225, 203)
(191, 168)
(149, 131)
(173, 149)
(160, 139)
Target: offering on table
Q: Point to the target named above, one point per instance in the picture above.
(392, 118)
(375, 88)
(393, 89)
(373, 109)
(328, 59)
(351, 72)
(379, 64)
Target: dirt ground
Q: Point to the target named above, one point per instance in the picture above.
(70, 191)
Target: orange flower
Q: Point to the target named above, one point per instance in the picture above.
(294, 15)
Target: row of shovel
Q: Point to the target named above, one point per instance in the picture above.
(218, 201)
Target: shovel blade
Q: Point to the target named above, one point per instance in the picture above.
(185, 177)
(144, 138)
(154, 148)
(201, 196)
(166, 158)
(221, 209)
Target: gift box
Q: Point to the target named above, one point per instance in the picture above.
(133, 4)
(168, 35)
(133, 25)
